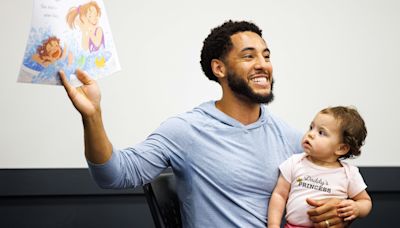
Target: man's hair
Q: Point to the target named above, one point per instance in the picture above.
(218, 43)
(351, 126)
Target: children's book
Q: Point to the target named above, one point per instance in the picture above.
(68, 34)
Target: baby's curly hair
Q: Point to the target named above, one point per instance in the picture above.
(352, 127)
(218, 43)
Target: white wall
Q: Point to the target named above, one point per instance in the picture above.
(324, 53)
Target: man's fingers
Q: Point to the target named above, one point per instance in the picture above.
(326, 205)
(325, 212)
(315, 203)
(333, 222)
(322, 213)
(321, 207)
(68, 87)
(80, 74)
(83, 77)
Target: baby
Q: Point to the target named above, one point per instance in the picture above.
(336, 133)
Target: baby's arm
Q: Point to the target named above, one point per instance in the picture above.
(277, 202)
(358, 206)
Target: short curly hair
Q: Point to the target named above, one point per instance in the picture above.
(352, 128)
(218, 43)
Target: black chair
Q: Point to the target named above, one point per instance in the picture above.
(163, 201)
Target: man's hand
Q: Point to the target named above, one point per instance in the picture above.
(324, 214)
(85, 98)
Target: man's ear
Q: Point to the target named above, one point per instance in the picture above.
(218, 68)
(342, 149)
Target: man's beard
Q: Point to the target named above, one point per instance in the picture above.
(240, 87)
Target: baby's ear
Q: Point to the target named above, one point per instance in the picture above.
(343, 149)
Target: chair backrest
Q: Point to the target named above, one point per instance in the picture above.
(163, 201)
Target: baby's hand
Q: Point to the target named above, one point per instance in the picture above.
(348, 210)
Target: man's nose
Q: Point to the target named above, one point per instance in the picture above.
(262, 63)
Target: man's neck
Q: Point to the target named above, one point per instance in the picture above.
(243, 111)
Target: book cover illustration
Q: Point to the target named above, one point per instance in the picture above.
(68, 34)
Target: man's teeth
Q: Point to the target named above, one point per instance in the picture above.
(259, 80)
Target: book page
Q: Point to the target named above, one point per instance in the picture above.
(68, 34)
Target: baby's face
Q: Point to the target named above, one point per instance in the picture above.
(323, 139)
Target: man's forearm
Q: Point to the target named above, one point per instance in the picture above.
(98, 148)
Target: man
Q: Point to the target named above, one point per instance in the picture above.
(224, 154)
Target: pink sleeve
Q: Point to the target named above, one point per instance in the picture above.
(286, 169)
(356, 184)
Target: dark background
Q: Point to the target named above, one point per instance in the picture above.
(69, 198)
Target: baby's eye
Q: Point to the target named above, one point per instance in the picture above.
(323, 133)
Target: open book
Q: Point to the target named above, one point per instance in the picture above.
(68, 34)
